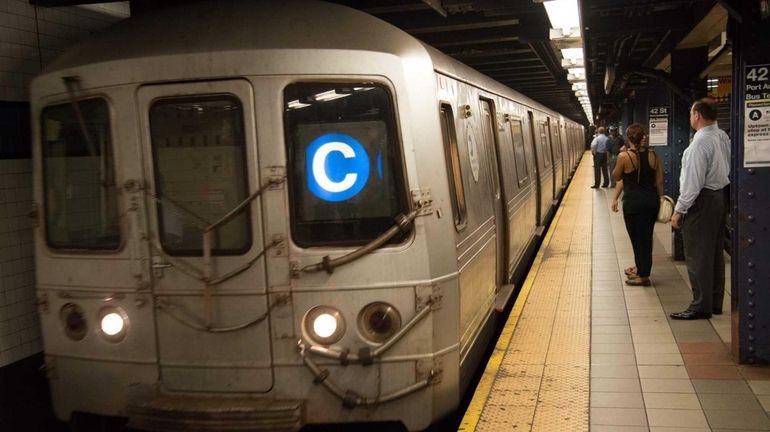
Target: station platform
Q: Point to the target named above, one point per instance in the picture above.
(583, 351)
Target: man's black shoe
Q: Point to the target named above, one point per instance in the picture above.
(594, 187)
(605, 186)
(716, 312)
(690, 315)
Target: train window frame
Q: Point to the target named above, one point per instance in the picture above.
(114, 158)
(299, 235)
(453, 165)
(244, 166)
(519, 161)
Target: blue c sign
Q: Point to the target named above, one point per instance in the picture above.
(337, 167)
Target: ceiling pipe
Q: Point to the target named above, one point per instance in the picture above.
(660, 76)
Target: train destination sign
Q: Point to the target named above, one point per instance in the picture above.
(658, 126)
(756, 121)
(337, 167)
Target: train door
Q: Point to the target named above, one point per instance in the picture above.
(537, 167)
(558, 161)
(206, 237)
(545, 161)
(489, 125)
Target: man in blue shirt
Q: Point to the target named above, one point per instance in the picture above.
(615, 143)
(701, 211)
(600, 149)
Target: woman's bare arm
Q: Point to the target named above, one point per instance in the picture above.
(618, 191)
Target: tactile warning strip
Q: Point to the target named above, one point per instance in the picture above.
(538, 377)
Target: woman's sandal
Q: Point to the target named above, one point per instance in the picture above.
(637, 281)
(630, 271)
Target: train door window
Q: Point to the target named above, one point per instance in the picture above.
(517, 134)
(199, 154)
(452, 154)
(81, 210)
(544, 144)
(555, 141)
(346, 181)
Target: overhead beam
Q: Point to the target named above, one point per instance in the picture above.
(436, 6)
(481, 53)
(655, 22)
(463, 25)
(476, 41)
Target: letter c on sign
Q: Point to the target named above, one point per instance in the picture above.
(337, 167)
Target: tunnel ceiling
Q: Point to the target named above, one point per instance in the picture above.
(504, 39)
(628, 44)
(508, 40)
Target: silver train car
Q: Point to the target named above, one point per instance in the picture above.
(256, 216)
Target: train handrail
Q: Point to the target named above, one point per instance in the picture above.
(170, 309)
(206, 275)
(403, 223)
(350, 398)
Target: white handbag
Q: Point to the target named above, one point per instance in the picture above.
(666, 209)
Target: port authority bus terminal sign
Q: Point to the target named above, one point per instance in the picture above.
(756, 122)
(658, 134)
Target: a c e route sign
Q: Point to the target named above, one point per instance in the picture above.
(337, 167)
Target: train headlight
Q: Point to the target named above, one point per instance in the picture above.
(113, 324)
(378, 321)
(324, 325)
(74, 321)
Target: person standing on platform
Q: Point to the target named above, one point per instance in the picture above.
(616, 144)
(600, 149)
(639, 174)
(701, 211)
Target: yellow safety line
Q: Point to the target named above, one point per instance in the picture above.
(484, 388)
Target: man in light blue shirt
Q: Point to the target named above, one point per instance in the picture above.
(701, 211)
(600, 148)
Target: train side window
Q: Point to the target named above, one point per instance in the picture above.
(449, 135)
(517, 134)
(81, 210)
(199, 152)
(345, 167)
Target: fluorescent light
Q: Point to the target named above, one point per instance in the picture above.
(568, 63)
(563, 15)
(572, 53)
(296, 104)
(329, 95)
(579, 86)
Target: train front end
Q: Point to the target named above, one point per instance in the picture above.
(240, 228)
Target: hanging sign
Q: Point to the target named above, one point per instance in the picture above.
(756, 121)
(658, 134)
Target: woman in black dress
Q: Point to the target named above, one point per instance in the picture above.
(641, 173)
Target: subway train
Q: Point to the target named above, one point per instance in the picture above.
(264, 215)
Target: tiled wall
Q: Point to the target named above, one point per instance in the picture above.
(19, 327)
(29, 38)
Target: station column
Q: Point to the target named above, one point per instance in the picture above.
(750, 199)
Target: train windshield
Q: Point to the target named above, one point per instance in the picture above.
(346, 178)
(79, 178)
(199, 155)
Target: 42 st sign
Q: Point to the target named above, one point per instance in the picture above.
(756, 121)
(758, 82)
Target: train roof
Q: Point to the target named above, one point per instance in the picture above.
(210, 26)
